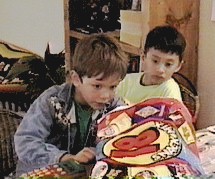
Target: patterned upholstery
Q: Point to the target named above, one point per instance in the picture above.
(189, 94)
(12, 87)
(25, 75)
(13, 97)
(9, 122)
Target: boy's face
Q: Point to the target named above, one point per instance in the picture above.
(159, 66)
(95, 92)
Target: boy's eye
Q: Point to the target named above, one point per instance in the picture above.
(97, 86)
(168, 64)
(113, 87)
(154, 61)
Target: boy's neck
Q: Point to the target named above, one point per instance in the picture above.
(79, 102)
(83, 107)
(144, 81)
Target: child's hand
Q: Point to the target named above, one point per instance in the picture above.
(86, 155)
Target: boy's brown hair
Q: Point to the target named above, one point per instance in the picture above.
(99, 54)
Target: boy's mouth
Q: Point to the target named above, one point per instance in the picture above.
(159, 77)
(100, 105)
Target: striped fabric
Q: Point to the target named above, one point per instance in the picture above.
(9, 122)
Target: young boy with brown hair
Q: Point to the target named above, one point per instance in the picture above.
(57, 126)
(163, 56)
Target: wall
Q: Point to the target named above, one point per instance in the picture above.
(32, 23)
(206, 66)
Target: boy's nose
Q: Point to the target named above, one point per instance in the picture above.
(106, 95)
(161, 68)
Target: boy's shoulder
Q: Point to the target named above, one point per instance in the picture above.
(54, 89)
(61, 91)
(133, 77)
(171, 89)
(130, 80)
(171, 82)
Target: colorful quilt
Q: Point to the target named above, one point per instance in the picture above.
(206, 146)
(154, 138)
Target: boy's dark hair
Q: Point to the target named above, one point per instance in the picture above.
(166, 39)
(99, 54)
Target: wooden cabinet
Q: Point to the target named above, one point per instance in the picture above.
(183, 14)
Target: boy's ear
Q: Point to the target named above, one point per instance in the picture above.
(142, 61)
(142, 56)
(74, 78)
(179, 66)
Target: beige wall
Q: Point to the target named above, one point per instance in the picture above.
(32, 23)
(206, 66)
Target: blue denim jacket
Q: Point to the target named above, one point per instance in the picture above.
(48, 129)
